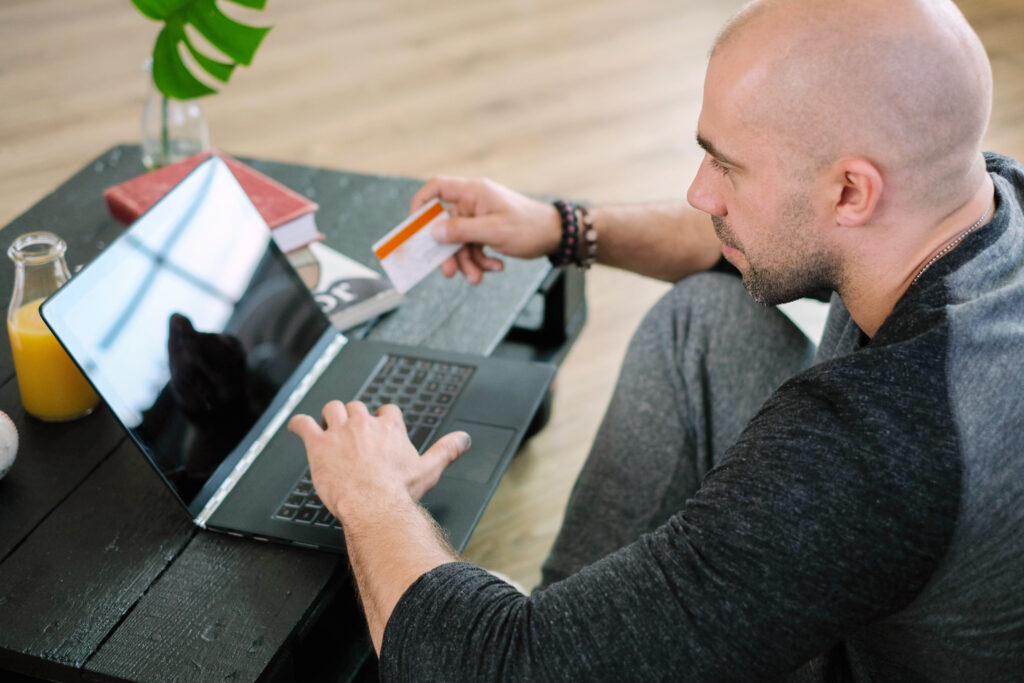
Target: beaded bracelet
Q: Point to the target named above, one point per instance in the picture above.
(566, 252)
(588, 238)
(569, 250)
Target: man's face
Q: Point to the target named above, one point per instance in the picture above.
(760, 201)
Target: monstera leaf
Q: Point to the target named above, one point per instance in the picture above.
(237, 41)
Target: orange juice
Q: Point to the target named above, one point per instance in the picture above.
(51, 386)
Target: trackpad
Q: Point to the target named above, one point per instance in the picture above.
(484, 454)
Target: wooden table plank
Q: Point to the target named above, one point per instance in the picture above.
(223, 611)
(53, 459)
(74, 579)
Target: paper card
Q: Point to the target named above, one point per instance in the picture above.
(409, 252)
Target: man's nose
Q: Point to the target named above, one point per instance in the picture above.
(702, 194)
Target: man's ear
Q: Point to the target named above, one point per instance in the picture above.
(858, 188)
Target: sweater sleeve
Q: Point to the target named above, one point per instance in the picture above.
(808, 531)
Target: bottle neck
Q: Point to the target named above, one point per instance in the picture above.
(42, 279)
(39, 267)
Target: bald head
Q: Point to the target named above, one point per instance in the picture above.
(905, 84)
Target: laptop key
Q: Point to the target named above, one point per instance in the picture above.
(305, 514)
(419, 436)
(287, 512)
(325, 518)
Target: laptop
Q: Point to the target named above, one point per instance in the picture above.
(201, 338)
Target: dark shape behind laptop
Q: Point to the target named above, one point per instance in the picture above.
(203, 340)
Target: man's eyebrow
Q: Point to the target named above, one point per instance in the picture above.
(706, 145)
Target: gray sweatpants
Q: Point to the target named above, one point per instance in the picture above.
(702, 362)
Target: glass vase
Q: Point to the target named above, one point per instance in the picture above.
(171, 129)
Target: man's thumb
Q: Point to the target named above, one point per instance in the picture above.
(447, 449)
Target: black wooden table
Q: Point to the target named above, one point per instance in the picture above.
(103, 576)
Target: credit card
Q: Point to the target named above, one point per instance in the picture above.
(409, 252)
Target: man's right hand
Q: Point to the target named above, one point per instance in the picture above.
(484, 213)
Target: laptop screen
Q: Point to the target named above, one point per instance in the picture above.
(190, 325)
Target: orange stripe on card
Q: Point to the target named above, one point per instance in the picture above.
(408, 231)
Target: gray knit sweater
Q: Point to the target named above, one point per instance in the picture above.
(867, 525)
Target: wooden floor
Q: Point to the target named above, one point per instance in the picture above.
(594, 99)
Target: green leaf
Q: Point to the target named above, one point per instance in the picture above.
(170, 75)
(255, 4)
(159, 9)
(219, 70)
(234, 39)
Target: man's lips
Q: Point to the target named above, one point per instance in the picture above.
(728, 251)
(721, 232)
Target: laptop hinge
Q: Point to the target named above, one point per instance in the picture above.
(305, 384)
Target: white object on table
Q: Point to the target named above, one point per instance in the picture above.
(8, 443)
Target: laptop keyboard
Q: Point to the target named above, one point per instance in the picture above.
(425, 390)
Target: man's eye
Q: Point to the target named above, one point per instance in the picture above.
(718, 166)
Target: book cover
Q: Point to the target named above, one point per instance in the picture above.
(347, 291)
(290, 215)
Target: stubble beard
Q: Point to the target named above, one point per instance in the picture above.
(795, 274)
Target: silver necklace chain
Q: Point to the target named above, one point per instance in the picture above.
(952, 244)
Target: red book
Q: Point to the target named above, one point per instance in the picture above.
(289, 214)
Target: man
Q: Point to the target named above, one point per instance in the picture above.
(744, 513)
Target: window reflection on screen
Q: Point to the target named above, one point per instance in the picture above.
(191, 324)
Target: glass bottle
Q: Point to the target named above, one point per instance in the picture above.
(171, 129)
(51, 386)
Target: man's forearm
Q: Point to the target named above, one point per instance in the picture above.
(389, 547)
(665, 241)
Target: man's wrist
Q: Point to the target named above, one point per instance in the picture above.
(369, 507)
